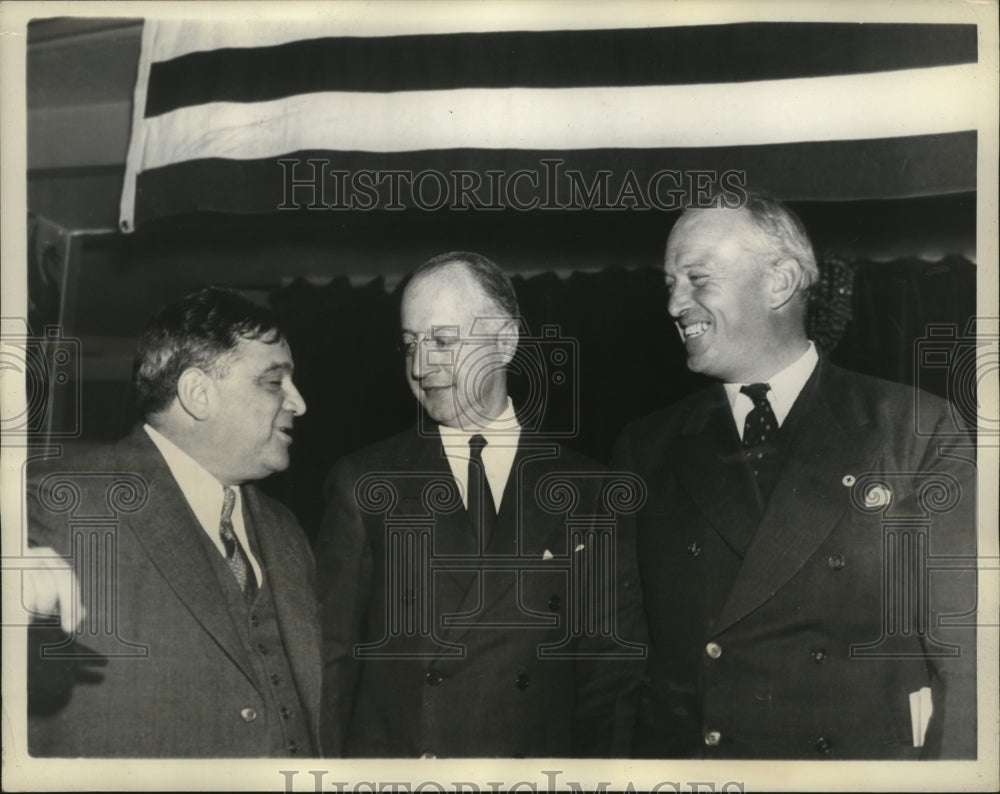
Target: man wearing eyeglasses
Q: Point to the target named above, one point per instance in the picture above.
(445, 559)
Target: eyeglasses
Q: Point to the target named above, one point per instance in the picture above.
(441, 340)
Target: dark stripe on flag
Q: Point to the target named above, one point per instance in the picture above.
(555, 59)
(583, 179)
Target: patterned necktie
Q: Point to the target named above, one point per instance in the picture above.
(760, 438)
(482, 508)
(236, 557)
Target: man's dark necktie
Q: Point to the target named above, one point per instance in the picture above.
(760, 438)
(482, 508)
(236, 557)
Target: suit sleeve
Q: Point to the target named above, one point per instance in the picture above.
(950, 461)
(608, 683)
(344, 568)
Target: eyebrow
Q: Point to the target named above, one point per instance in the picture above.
(685, 266)
(436, 330)
(281, 367)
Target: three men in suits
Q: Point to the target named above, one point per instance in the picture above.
(474, 602)
(198, 633)
(799, 546)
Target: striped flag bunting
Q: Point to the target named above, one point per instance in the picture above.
(265, 117)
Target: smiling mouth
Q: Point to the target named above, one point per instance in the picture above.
(693, 330)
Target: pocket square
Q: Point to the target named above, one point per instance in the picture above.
(580, 547)
(547, 555)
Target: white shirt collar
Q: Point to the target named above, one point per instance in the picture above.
(785, 388)
(505, 430)
(501, 436)
(204, 494)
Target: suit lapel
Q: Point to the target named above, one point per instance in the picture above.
(709, 465)
(293, 598)
(168, 531)
(832, 438)
(515, 532)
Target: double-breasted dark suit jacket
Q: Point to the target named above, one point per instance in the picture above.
(846, 599)
(159, 669)
(430, 650)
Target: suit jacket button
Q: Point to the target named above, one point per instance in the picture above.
(823, 745)
(433, 677)
(522, 681)
(248, 714)
(836, 562)
(819, 654)
(694, 549)
(554, 603)
(714, 650)
(712, 738)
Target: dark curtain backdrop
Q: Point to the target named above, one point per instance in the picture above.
(599, 348)
(601, 351)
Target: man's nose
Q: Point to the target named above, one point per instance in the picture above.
(293, 400)
(417, 363)
(679, 301)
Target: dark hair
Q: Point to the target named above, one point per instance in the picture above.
(495, 283)
(200, 330)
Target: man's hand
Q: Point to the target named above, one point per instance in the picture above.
(51, 588)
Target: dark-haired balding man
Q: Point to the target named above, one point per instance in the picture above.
(197, 634)
(795, 510)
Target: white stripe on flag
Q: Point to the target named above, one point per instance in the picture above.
(889, 104)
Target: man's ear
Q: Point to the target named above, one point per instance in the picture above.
(194, 392)
(786, 278)
(507, 339)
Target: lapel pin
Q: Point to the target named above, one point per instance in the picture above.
(878, 496)
(848, 480)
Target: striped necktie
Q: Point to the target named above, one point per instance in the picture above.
(236, 557)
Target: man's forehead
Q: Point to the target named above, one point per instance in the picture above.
(270, 355)
(447, 297)
(701, 231)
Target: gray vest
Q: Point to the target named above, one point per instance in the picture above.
(258, 628)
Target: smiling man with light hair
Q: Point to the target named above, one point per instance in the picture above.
(774, 569)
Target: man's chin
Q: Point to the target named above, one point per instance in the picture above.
(437, 404)
(447, 418)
